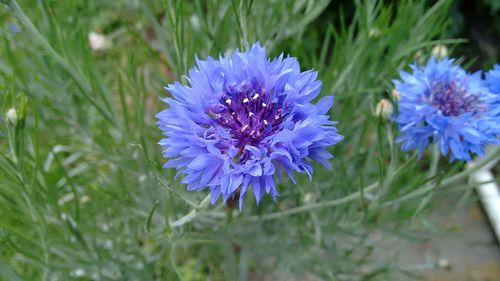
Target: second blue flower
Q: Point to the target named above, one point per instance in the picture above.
(442, 103)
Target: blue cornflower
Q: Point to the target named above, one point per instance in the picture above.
(442, 103)
(493, 79)
(243, 121)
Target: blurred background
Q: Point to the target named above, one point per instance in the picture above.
(83, 195)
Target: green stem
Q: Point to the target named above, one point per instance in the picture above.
(493, 157)
(192, 214)
(173, 20)
(436, 154)
(313, 206)
(391, 171)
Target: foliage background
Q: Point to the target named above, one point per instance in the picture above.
(82, 192)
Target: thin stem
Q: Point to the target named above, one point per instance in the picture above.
(192, 214)
(240, 18)
(314, 206)
(492, 158)
(391, 171)
(173, 21)
(436, 154)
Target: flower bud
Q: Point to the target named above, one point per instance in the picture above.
(384, 109)
(439, 51)
(97, 41)
(84, 199)
(308, 197)
(395, 95)
(11, 115)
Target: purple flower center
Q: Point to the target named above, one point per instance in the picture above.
(453, 100)
(248, 112)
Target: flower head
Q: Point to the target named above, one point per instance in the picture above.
(243, 122)
(443, 103)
